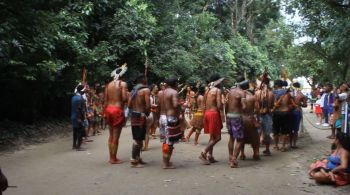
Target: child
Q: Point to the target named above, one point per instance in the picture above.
(318, 111)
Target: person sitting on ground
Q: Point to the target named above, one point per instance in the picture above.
(336, 168)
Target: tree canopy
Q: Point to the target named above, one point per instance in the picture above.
(44, 45)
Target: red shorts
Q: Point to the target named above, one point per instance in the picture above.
(115, 116)
(318, 109)
(212, 122)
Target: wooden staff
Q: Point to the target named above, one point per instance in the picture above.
(146, 65)
(84, 72)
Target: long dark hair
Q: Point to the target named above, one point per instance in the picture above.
(344, 140)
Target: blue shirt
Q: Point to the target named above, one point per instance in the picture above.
(77, 110)
(279, 93)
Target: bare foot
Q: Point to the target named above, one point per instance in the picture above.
(266, 153)
(80, 149)
(195, 143)
(256, 157)
(242, 157)
(117, 161)
(138, 165)
(212, 159)
(204, 159)
(234, 163)
(142, 162)
(169, 166)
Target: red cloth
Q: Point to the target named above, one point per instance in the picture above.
(318, 109)
(342, 179)
(212, 122)
(115, 116)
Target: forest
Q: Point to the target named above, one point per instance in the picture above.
(46, 44)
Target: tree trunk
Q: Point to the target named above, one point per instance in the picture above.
(346, 69)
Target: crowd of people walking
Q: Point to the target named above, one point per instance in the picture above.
(252, 110)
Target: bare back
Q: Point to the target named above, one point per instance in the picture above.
(235, 100)
(200, 103)
(300, 99)
(141, 103)
(265, 100)
(116, 93)
(285, 103)
(213, 99)
(250, 104)
(161, 103)
(171, 104)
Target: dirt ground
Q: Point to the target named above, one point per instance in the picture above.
(54, 168)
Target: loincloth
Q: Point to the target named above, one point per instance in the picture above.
(197, 120)
(250, 127)
(162, 128)
(173, 129)
(212, 122)
(114, 116)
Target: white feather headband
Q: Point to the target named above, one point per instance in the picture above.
(120, 71)
(215, 83)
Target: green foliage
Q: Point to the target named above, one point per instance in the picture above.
(327, 28)
(44, 45)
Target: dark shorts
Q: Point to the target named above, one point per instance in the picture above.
(282, 123)
(138, 126)
(296, 120)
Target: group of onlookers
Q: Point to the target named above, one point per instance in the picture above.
(331, 105)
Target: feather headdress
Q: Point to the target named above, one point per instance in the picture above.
(215, 83)
(120, 71)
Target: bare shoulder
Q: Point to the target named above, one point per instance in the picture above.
(123, 84)
(146, 90)
(173, 92)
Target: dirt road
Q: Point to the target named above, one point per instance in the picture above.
(53, 168)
